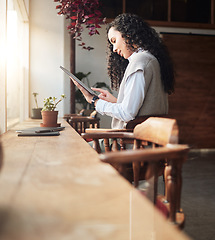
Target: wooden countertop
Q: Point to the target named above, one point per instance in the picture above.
(56, 188)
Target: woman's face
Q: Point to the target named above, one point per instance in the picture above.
(119, 45)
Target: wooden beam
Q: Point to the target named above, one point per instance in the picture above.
(212, 11)
(72, 69)
(124, 6)
(169, 10)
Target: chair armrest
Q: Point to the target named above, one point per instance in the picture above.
(68, 116)
(104, 130)
(100, 135)
(171, 151)
(83, 119)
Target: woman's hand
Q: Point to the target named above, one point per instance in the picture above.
(105, 95)
(86, 94)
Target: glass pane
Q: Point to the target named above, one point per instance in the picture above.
(148, 9)
(13, 83)
(191, 11)
(111, 8)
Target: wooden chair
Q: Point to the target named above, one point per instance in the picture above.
(136, 171)
(69, 115)
(162, 134)
(81, 122)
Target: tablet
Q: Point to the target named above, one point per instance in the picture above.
(79, 81)
(40, 131)
(34, 134)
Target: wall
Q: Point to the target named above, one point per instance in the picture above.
(46, 51)
(193, 102)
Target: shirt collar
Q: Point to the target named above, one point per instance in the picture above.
(134, 53)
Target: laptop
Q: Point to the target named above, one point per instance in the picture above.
(78, 81)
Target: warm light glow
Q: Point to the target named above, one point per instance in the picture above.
(3, 51)
(11, 36)
(12, 62)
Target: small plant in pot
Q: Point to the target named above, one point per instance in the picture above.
(49, 114)
(36, 112)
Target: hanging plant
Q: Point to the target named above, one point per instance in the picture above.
(81, 12)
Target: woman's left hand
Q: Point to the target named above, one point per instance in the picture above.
(86, 94)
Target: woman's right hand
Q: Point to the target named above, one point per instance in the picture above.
(105, 95)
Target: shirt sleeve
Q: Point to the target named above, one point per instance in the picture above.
(132, 101)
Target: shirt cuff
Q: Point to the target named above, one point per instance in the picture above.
(100, 106)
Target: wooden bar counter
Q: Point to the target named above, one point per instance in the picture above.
(56, 188)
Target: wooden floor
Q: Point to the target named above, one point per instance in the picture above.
(198, 194)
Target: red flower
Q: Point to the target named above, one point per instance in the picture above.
(81, 12)
(73, 17)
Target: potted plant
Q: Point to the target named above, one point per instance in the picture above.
(36, 112)
(49, 114)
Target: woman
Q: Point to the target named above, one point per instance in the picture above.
(140, 66)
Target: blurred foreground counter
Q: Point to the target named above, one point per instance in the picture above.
(55, 187)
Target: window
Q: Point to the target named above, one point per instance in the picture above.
(3, 20)
(12, 61)
(177, 13)
(111, 8)
(14, 42)
(154, 10)
(196, 11)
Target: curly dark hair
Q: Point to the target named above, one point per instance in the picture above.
(138, 33)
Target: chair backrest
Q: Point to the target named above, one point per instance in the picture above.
(93, 114)
(67, 116)
(157, 130)
(80, 123)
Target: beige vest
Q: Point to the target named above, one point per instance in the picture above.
(156, 100)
